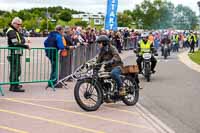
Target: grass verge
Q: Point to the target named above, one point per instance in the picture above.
(195, 57)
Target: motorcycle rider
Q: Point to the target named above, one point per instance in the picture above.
(110, 54)
(164, 41)
(145, 45)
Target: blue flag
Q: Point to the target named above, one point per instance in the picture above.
(111, 15)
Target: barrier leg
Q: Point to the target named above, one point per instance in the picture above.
(1, 91)
(51, 84)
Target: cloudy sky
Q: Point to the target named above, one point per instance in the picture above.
(83, 5)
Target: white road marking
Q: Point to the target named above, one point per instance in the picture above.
(156, 123)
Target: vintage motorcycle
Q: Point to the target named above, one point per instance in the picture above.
(95, 86)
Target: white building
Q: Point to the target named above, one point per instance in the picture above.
(98, 18)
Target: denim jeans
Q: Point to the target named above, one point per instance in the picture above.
(115, 74)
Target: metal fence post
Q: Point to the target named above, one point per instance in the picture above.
(1, 91)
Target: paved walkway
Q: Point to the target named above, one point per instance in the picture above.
(183, 57)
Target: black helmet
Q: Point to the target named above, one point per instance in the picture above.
(103, 38)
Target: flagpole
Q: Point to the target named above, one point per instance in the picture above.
(105, 14)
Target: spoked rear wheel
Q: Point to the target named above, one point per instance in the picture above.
(132, 89)
(88, 95)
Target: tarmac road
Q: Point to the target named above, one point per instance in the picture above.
(173, 94)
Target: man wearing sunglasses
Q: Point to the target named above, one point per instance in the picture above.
(16, 41)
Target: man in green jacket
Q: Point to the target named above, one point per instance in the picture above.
(17, 42)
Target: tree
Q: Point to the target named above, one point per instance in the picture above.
(65, 16)
(37, 17)
(2, 12)
(44, 25)
(81, 23)
(161, 14)
(185, 18)
(145, 14)
(164, 14)
(124, 20)
(30, 24)
(2, 23)
(24, 15)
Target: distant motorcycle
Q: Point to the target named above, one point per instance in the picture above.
(146, 66)
(166, 50)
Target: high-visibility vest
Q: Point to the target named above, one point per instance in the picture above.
(64, 52)
(18, 51)
(177, 37)
(18, 36)
(190, 38)
(145, 47)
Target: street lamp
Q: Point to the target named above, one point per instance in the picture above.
(47, 19)
(198, 3)
(47, 15)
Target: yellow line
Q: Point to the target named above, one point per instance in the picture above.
(45, 100)
(50, 121)
(121, 110)
(72, 101)
(12, 129)
(83, 114)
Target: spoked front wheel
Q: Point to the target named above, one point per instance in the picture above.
(132, 89)
(88, 95)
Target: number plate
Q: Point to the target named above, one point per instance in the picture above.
(146, 55)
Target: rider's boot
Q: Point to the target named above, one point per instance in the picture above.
(122, 91)
(153, 71)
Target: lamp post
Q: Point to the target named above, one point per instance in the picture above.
(198, 3)
(47, 19)
(158, 25)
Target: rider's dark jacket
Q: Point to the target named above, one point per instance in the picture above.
(108, 53)
(165, 40)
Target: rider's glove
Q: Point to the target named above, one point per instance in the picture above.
(111, 62)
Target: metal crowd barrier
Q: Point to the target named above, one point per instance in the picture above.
(68, 64)
(36, 67)
(18, 66)
(129, 43)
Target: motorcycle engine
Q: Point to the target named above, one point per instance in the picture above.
(108, 85)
